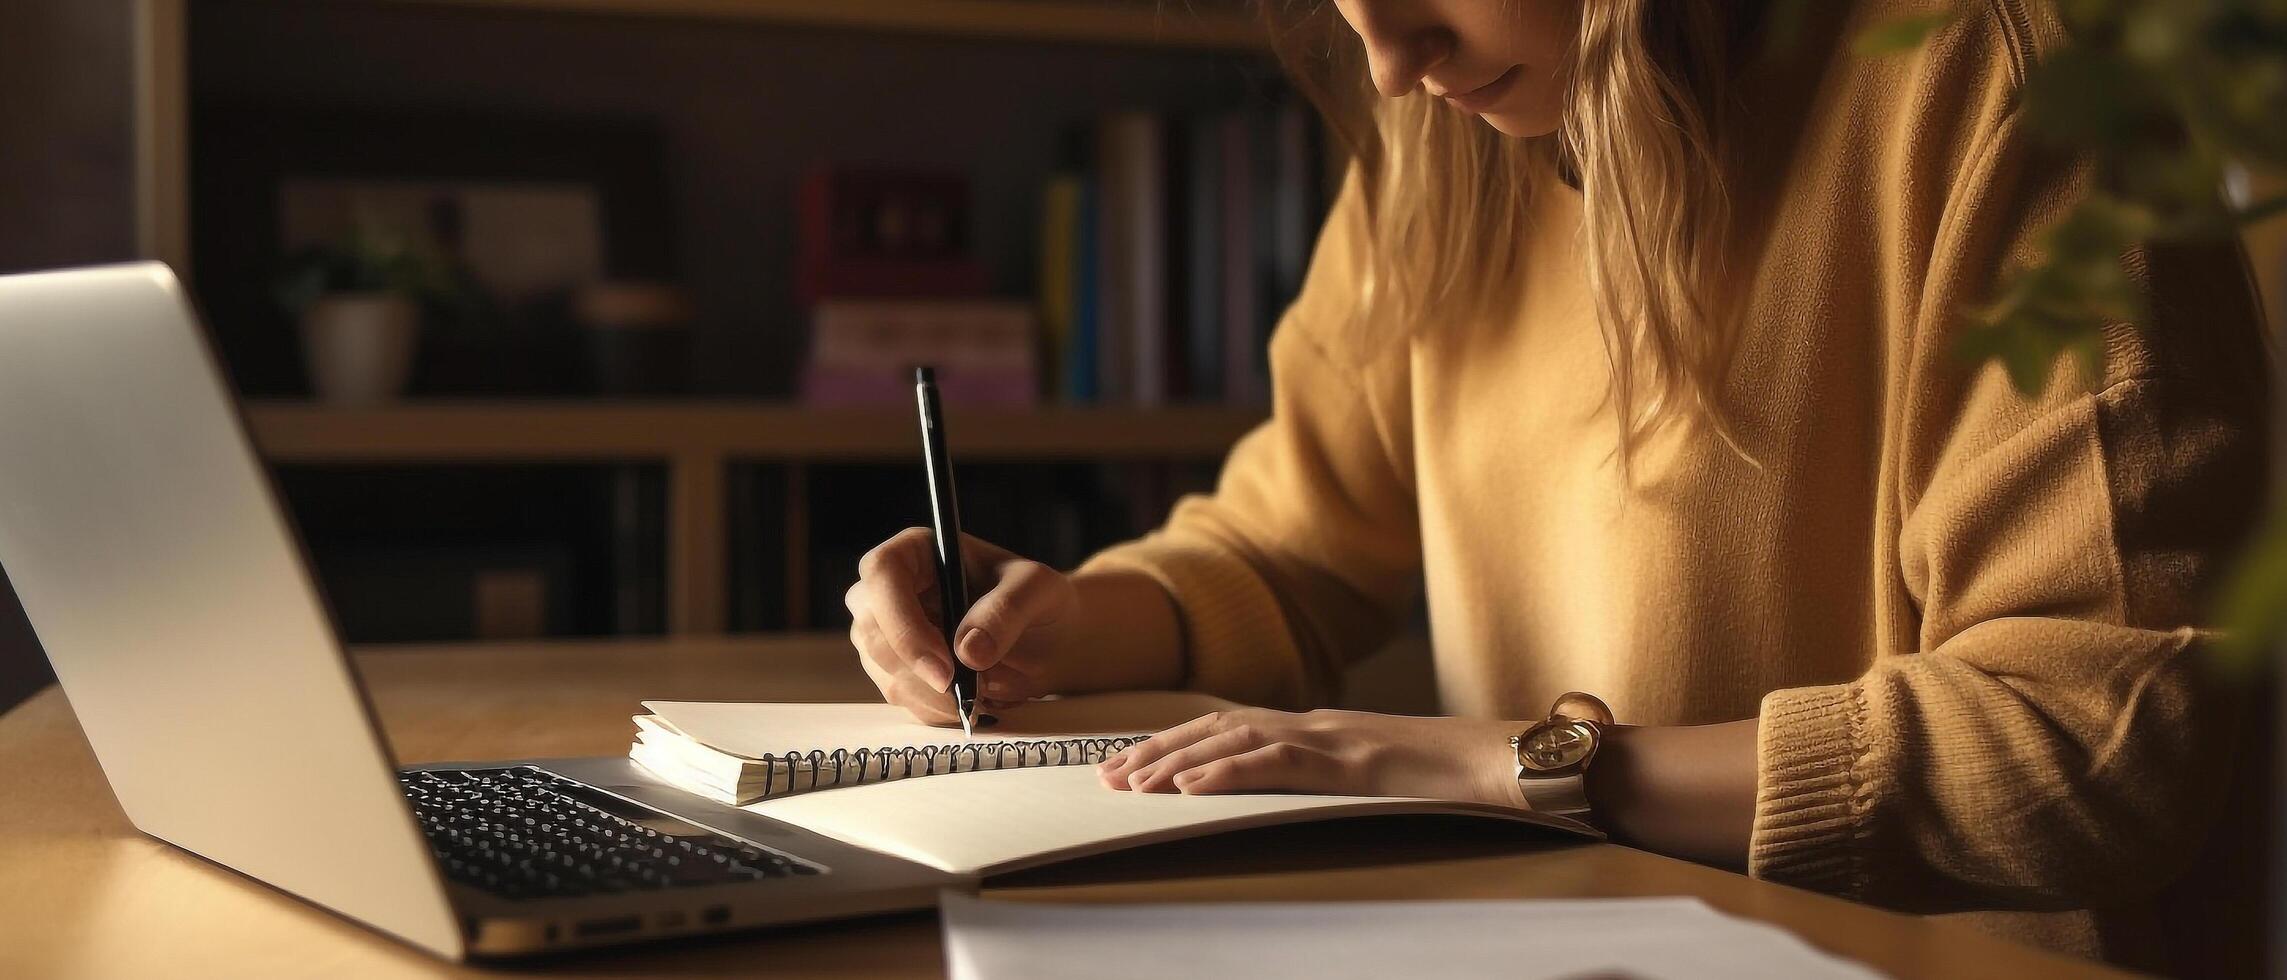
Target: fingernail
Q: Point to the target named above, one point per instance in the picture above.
(996, 686)
(977, 648)
(937, 675)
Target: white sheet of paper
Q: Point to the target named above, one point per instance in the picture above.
(1649, 938)
(989, 822)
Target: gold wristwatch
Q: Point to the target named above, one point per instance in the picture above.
(1553, 756)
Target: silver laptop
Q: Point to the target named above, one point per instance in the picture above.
(147, 547)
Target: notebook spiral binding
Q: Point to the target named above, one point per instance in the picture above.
(819, 769)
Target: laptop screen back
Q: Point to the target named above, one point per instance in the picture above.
(143, 540)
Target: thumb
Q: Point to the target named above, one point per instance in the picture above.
(1028, 595)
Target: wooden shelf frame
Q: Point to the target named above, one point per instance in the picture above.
(604, 430)
(698, 441)
(1177, 23)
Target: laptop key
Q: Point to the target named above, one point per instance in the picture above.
(524, 833)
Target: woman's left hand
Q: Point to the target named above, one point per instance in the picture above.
(1350, 753)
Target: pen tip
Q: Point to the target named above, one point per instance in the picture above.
(968, 728)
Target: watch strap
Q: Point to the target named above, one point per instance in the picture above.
(1563, 796)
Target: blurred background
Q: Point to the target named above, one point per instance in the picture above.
(568, 318)
(564, 318)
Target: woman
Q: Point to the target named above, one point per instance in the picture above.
(1632, 342)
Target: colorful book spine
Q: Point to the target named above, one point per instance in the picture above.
(1130, 173)
(1087, 299)
(1059, 250)
(1169, 253)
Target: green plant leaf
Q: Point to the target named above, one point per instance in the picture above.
(2253, 613)
(2157, 97)
(1900, 34)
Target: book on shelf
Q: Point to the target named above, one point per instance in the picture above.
(1131, 174)
(1069, 272)
(884, 266)
(1060, 204)
(1166, 257)
(879, 232)
(863, 351)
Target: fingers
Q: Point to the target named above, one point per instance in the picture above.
(902, 646)
(899, 686)
(1278, 766)
(1159, 776)
(1232, 751)
(1116, 769)
(1009, 683)
(1024, 595)
(926, 704)
(891, 580)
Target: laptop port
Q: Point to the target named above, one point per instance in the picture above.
(715, 915)
(613, 926)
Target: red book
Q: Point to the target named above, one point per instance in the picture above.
(869, 232)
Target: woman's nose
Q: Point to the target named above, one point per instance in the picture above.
(1403, 42)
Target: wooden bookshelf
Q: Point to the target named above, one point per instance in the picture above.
(579, 430)
(1178, 23)
(160, 81)
(697, 441)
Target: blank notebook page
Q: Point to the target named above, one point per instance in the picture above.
(990, 822)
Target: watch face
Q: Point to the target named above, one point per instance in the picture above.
(1555, 746)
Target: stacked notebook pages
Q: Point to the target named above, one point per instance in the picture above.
(739, 753)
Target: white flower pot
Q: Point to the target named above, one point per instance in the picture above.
(359, 346)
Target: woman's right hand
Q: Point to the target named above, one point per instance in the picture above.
(1019, 607)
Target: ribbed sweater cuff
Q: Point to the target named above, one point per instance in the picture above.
(1236, 644)
(1810, 807)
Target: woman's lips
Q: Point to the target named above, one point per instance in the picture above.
(1486, 96)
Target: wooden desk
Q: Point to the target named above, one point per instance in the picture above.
(82, 894)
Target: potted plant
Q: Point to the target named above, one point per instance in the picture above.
(358, 302)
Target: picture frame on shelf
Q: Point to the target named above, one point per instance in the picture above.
(479, 189)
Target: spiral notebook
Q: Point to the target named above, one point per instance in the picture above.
(1021, 794)
(741, 752)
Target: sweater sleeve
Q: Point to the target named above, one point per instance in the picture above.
(1307, 553)
(2044, 734)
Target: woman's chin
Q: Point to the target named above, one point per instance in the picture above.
(1521, 125)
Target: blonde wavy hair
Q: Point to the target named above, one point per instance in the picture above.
(1446, 195)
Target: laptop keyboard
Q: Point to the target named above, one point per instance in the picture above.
(525, 833)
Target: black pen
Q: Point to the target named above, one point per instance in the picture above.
(945, 528)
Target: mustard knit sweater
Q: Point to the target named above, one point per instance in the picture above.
(1963, 617)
